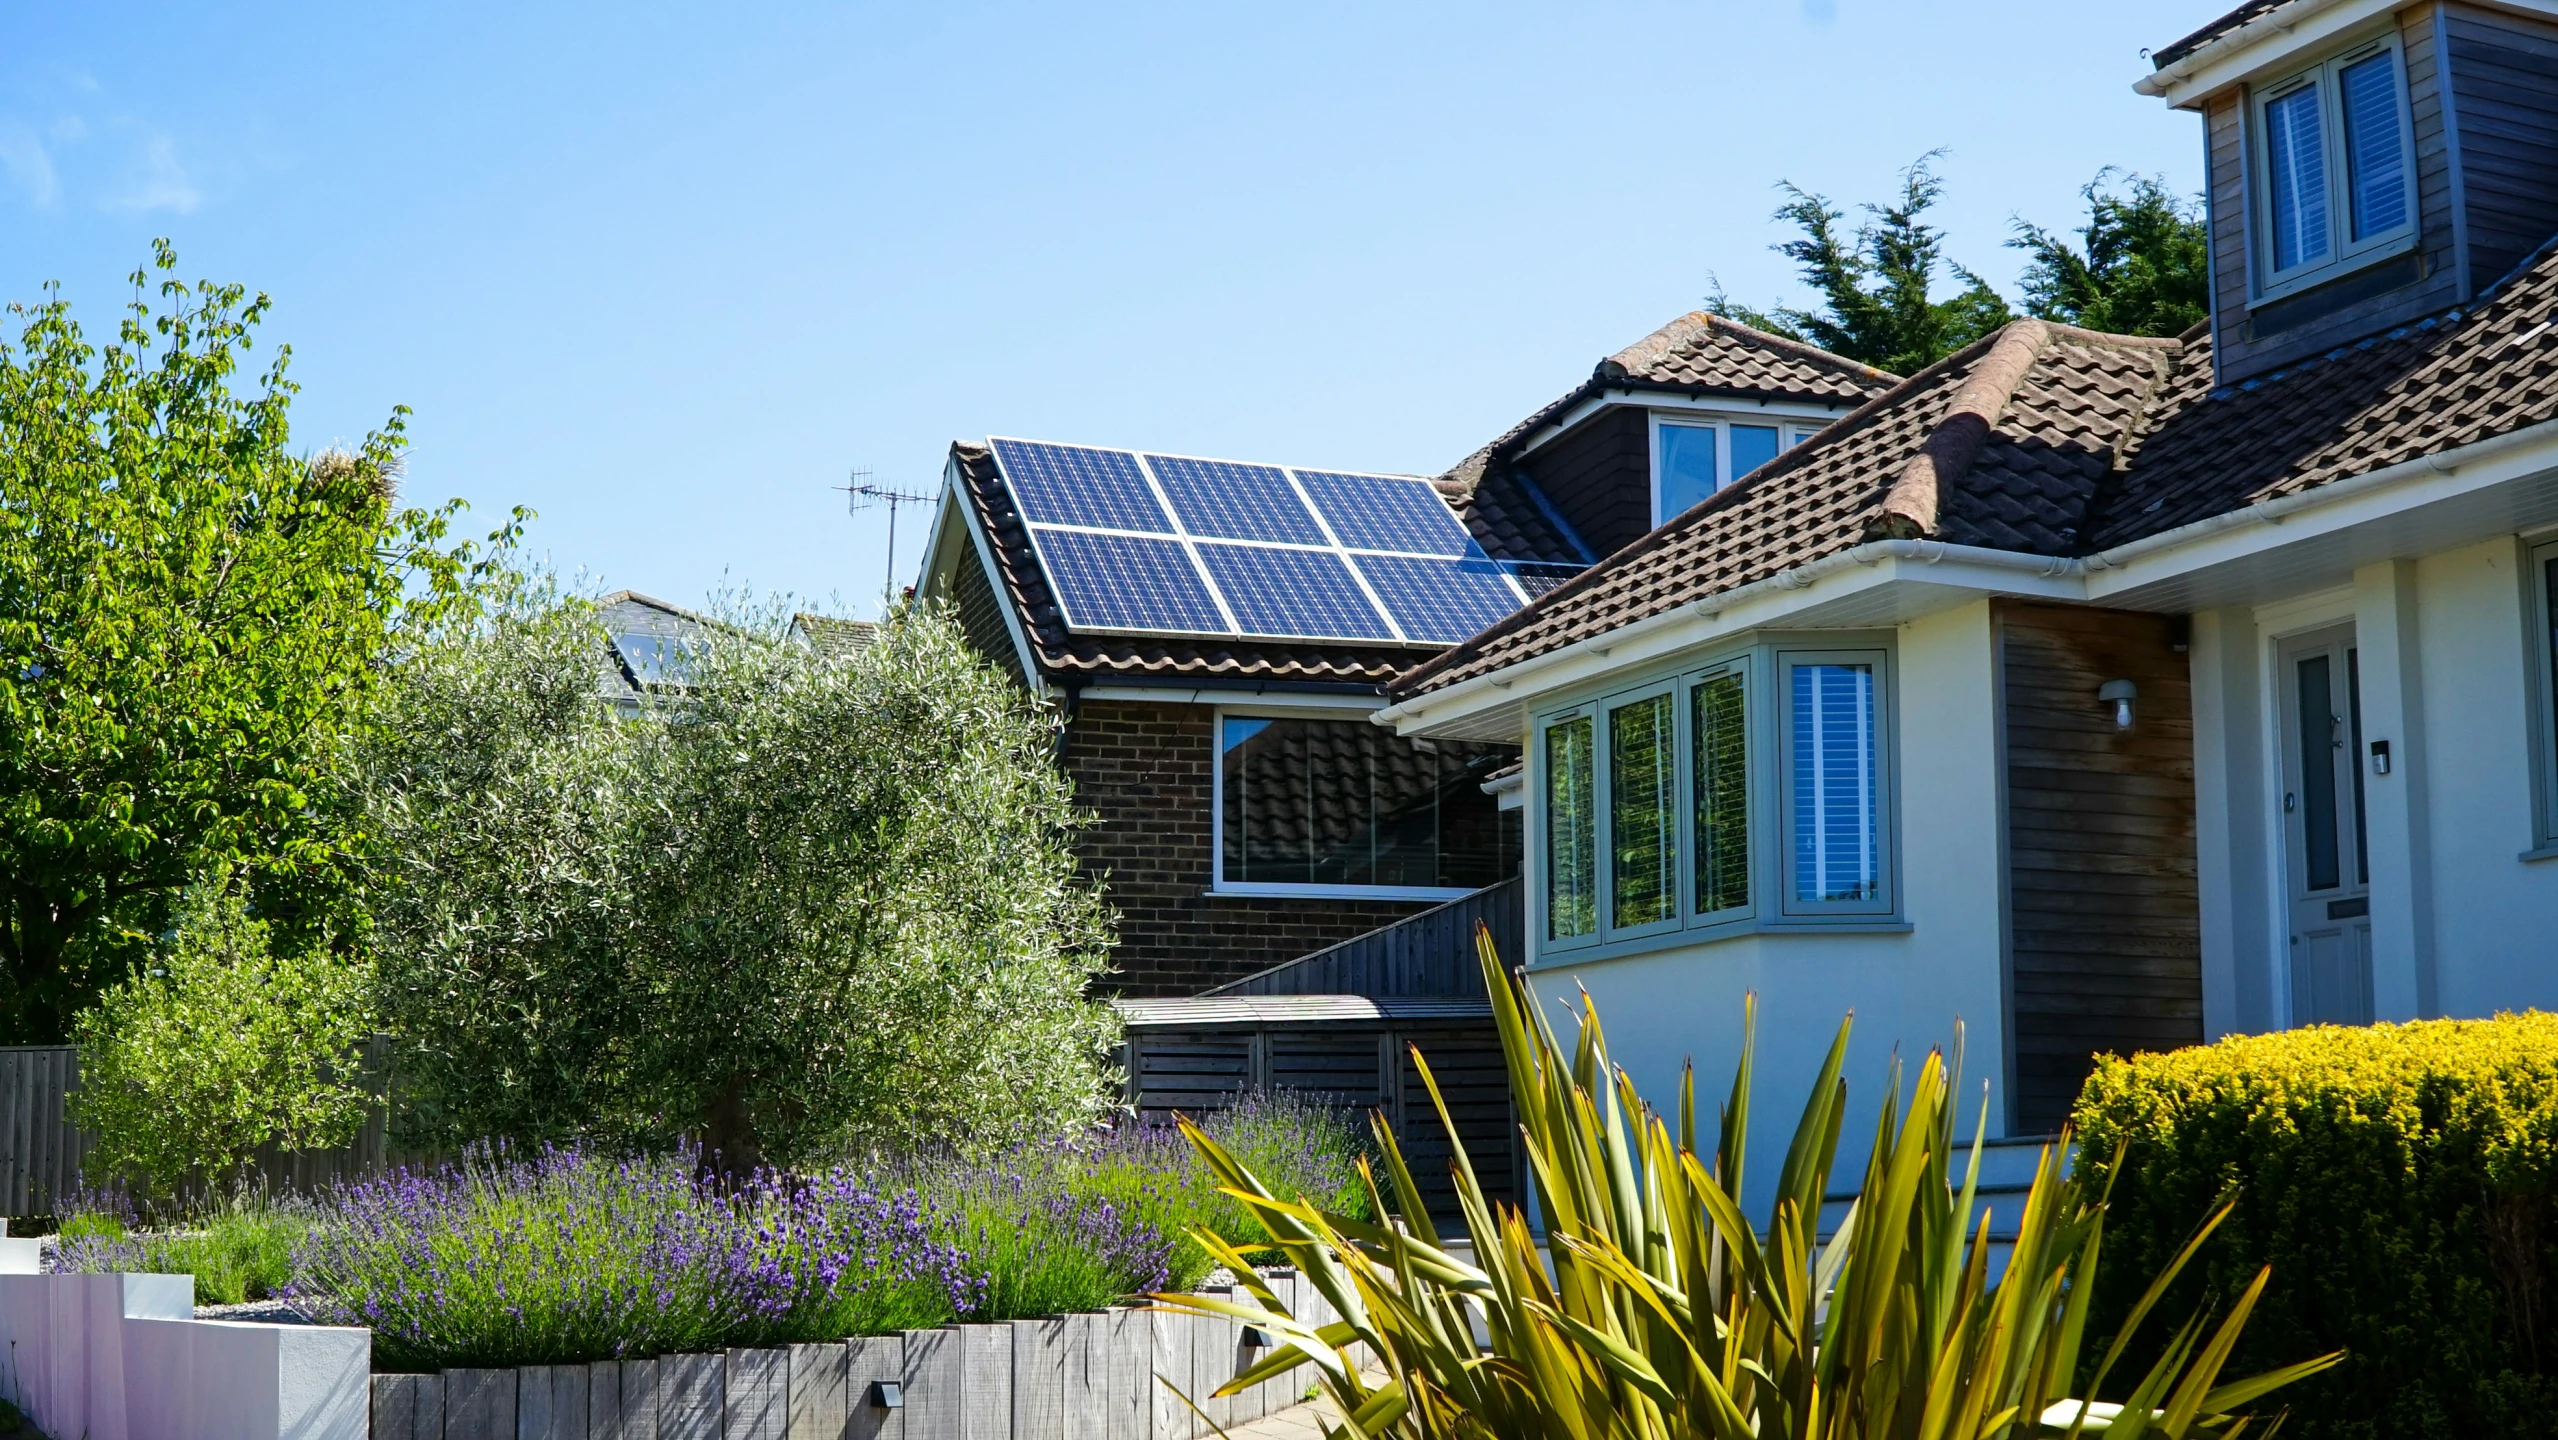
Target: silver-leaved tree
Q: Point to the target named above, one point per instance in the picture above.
(803, 903)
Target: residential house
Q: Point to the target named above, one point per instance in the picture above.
(646, 638)
(1216, 634)
(2100, 693)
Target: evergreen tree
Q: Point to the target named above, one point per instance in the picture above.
(2141, 266)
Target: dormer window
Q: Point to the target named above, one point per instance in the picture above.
(1695, 455)
(2334, 187)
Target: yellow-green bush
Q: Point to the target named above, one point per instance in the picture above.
(2397, 1178)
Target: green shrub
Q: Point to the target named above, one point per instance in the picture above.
(2396, 1177)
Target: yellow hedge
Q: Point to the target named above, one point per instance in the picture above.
(2397, 1177)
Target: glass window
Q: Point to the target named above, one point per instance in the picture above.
(1685, 470)
(1571, 814)
(1836, 790)
(1643, 816)
(2297, 176)
(2375, 159)
(1752, 447)
(1720, 725)
(1346, 803)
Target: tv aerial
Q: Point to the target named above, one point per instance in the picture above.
(862, 492)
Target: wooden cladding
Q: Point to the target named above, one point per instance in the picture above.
(2104, 928)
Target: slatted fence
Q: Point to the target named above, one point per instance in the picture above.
(41, 1150)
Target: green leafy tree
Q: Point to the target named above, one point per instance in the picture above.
(191, 620)
(224, 1044)
(2141, 264)
(804, 903)
(1878, 283)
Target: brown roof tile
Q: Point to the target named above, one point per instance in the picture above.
(2176, 50)
(2094, 441)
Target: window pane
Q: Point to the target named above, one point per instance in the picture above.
(1344, 802)
(2297, 175)
(1837, 850)
(2375, 163)
(2318, 773)
(1571, 850)
(1722, 795)
(1687, 473)
(1752, 447)
(1643, 821)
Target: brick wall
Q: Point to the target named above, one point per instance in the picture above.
(1147, 770)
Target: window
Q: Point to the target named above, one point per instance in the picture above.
(1692, 457)
(1571, 851)
(1309, 805)
(1658, 815)
(2333, 185)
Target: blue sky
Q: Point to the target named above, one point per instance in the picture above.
(668, 274)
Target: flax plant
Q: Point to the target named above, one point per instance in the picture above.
(1656, 1309)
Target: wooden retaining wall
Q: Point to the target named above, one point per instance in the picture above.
(41, 1150)
(1109, 1375)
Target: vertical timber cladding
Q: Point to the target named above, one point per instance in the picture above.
(2104, 928)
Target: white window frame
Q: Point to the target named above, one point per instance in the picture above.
(1790, 432)
(2345, 254)
(1218, 884)
(1886, 790)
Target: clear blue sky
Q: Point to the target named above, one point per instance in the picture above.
(667, 274)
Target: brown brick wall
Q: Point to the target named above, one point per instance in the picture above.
(1147, 771)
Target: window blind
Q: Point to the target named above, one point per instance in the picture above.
(1643, 819)
(1571, 813)
(1722, 794)
(1837, 850)
(2295, 136)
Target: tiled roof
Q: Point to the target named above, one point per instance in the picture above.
(2169, 54)
(2049, 440)
(832, 635)
(1702, 354)
(1508, 524)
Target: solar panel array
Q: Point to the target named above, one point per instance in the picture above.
(1173, 545)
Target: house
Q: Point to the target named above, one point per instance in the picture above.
(646, 637)
(2104, 693)
(1216, 633)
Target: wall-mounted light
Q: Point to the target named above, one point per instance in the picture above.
(887, 1395)
(1255, 1338)
(2118, 693)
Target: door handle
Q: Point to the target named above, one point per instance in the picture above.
(2291, 801)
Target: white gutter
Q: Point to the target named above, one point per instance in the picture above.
(2283, 18)
(2268, 513)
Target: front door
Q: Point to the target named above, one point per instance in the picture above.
(2327, 859)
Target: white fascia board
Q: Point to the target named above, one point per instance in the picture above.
(1663, 400)
(2285, 37)
(953, 498)
(1238, 700)
(1950, 572)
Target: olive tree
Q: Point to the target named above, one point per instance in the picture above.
(802, 903)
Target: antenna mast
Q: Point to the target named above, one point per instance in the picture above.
(863, 492)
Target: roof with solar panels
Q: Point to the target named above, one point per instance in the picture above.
(1134, 566)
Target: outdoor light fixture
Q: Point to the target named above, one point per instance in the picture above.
(1255, 1338)
(887, 1395)
(2118, 693)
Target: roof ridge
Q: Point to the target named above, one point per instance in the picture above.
(1655, 345)
(1909, 509)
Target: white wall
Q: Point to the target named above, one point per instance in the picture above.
(2461, 925)
(1662, 1008)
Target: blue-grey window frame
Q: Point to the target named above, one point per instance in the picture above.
(2345, 254)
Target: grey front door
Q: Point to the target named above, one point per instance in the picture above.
(2327, 859)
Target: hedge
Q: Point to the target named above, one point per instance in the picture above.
(2397, 1178)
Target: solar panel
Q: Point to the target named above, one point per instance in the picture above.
(1235, 502)
(1439, 600)
(1308, 593)
(1073, 485)
(1382, 512)
(1128, 582)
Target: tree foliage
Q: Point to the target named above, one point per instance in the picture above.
(1877, 284)
(2138, 267)
(2141, 265)
(191, 618)
(225, 1044)
(803, 903)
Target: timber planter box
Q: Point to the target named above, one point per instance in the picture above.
(1106, 1375)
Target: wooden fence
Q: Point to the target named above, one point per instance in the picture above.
(1431, 953)
(41, 1150)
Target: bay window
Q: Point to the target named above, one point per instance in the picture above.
(2334, 185)
(1752, 792)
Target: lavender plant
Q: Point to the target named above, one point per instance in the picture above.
(237, 1249)
(567, 1256)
